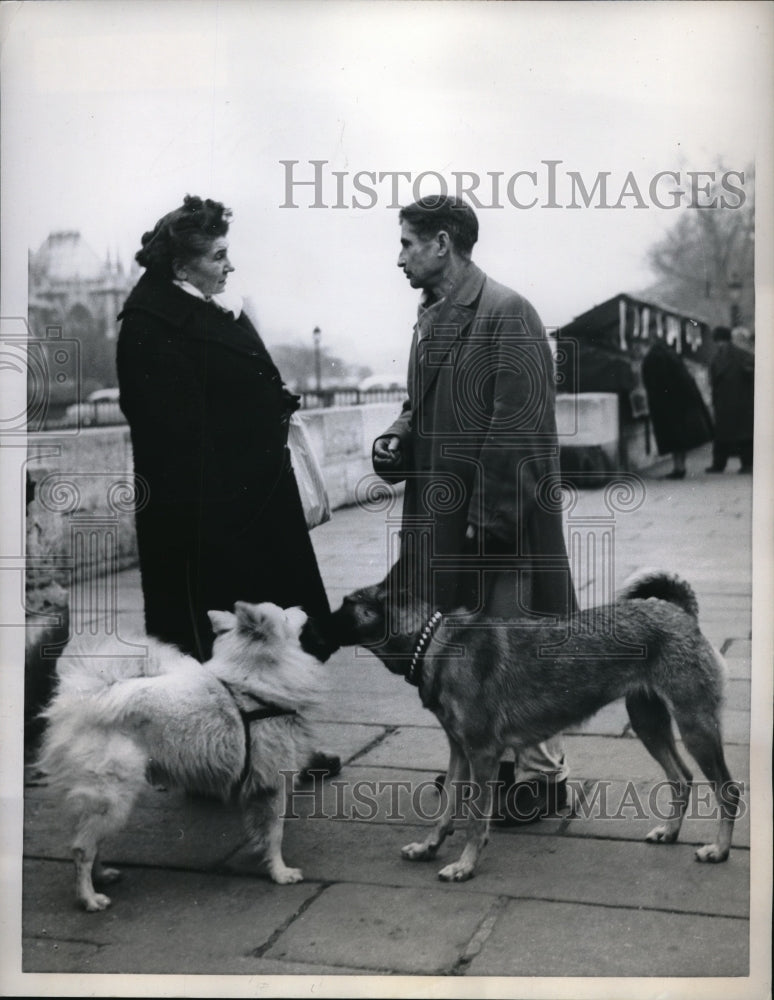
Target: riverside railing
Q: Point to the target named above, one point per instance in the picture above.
(106, 413)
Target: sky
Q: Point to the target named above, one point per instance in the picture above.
(112, 111)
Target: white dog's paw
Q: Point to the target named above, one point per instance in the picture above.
(661, 835)
(286, 876)
(711, 852)
(418, 852)
(457, 871)
(96, 902)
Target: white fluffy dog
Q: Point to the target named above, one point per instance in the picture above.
(226, 727)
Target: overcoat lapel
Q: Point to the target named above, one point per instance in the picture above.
(450, 325)
(217, 327)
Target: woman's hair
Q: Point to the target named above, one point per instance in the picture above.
(183, 234)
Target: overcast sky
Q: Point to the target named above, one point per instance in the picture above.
(114, 110)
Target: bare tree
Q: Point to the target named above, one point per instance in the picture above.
(704, 266)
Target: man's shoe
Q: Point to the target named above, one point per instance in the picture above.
(321, 765)
(524, 802)
(713, 468)
(517, 803)
(675, 474)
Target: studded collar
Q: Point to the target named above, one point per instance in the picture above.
(414, 673)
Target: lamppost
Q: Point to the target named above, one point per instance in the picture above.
(735, 286)
(317, 333)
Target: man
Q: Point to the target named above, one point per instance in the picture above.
(476, 445)
(732, 375)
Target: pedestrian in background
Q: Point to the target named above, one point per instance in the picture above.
(732, 376)
(476, 436)
(680, 418)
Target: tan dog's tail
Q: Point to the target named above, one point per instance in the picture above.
(664, 587)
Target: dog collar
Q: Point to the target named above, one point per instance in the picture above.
(415, 667)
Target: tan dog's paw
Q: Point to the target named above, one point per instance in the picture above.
(457, 871)
(96, 903)
(712, 853)
(286, 876)
(418, 852)
(661, 835)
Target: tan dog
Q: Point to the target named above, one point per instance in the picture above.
(494, 685)
(228, 726)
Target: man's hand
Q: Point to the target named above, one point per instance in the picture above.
(470, 532)
(387, 451)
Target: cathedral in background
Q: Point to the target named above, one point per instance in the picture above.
(75, 297)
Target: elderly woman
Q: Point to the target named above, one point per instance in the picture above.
(208, 412)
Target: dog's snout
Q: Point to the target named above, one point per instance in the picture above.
(318, 638)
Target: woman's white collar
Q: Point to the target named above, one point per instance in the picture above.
(228, 301)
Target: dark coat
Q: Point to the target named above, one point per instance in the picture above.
(208, 413)
(678, 413)
(479, 446)
(732, 374)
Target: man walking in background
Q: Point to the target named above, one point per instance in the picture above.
(476, 445)
(732, 375)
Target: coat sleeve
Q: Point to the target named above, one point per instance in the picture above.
(402, 429)
(162, 399)
(519, 445)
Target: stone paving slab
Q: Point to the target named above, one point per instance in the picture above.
(360, 689)
(420, 747)
(738, 668)
(574, 869)
(166, 827)
(345, 739)
(738, 694)
(201, 923)
(588, 756)
(618, 810)
(720, 634)
(419, 931)
(536, 938)
(602, 757)
(46, 955)
(382, 795)
(621, 810)
(615, 874)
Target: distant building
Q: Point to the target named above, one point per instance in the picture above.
(75, 295)
(602, 350)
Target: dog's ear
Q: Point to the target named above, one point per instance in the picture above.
(295, 619)
(221, 621)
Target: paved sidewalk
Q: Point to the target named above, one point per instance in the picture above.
(580, 895)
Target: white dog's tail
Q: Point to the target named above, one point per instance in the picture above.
(664, 587)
